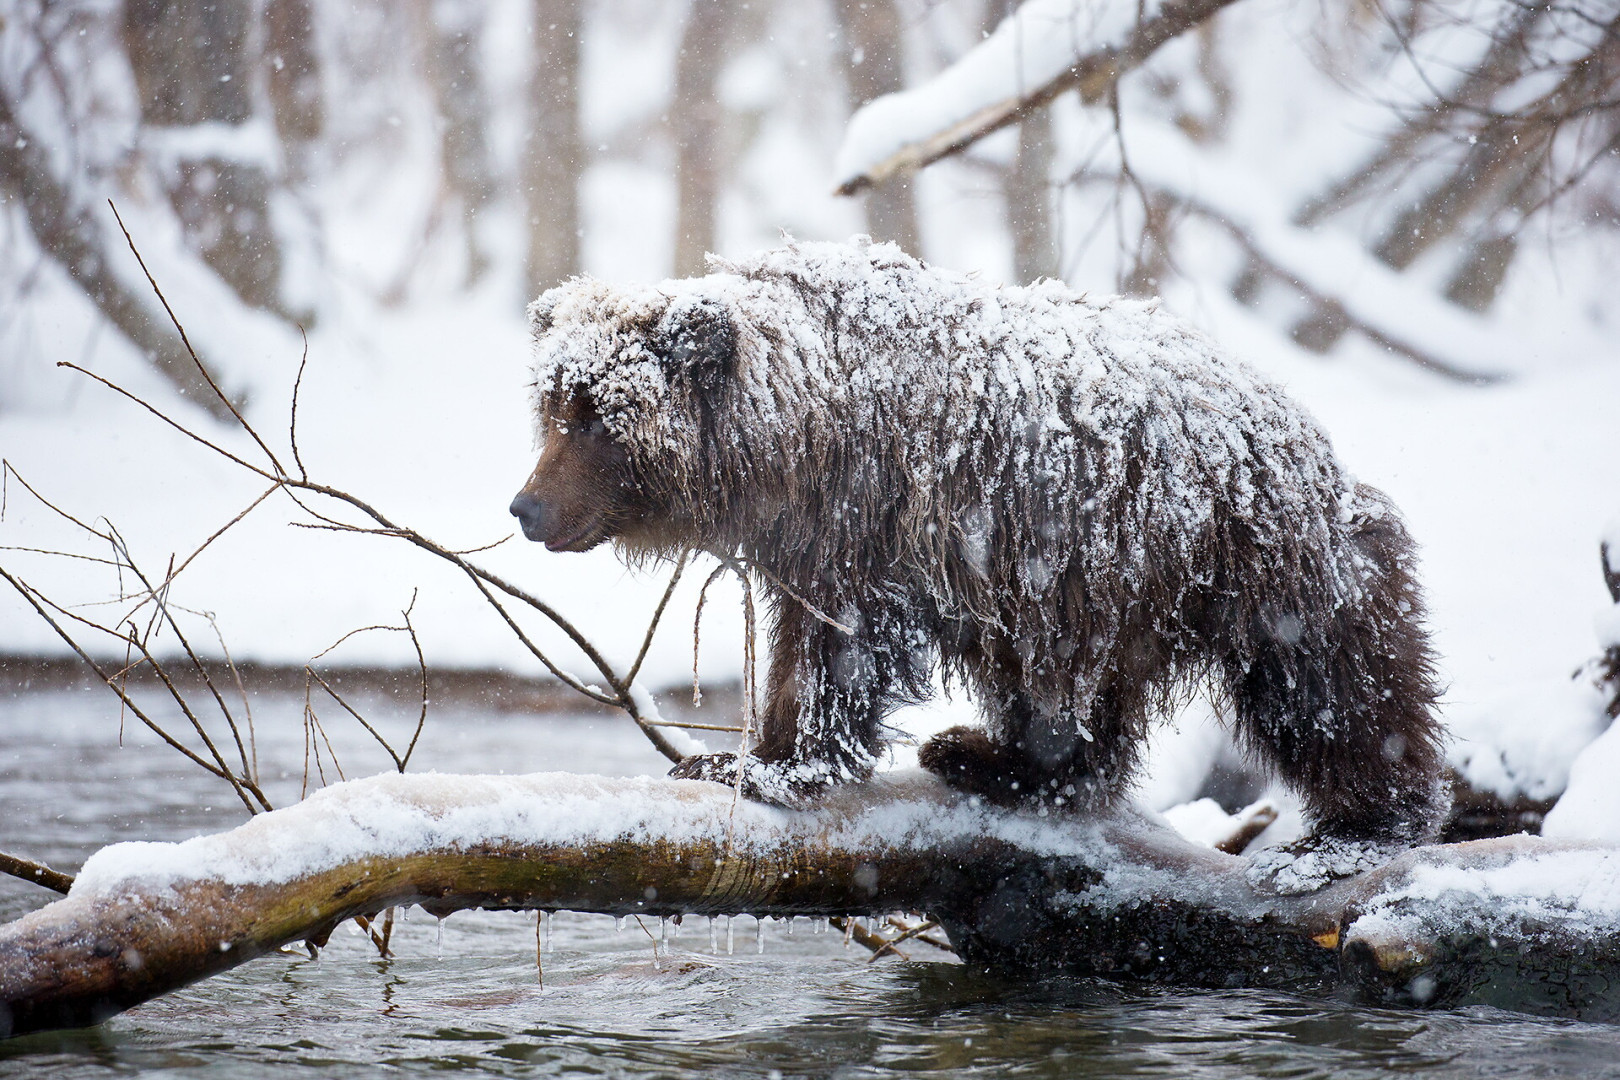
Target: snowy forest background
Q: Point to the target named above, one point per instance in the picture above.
(1407, 211)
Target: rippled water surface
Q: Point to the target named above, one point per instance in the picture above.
(466, 995)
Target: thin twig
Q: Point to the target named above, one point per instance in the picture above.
(60, 554)
(697, 621)
(422, 670)
(236, 782)
(310, 673)
(292, 421)
(191, 654)
(222, 530)
(202, 369)
(38, 873)
(657, 616)
(38, 601)
(906, 934)
(811, 609)
(539, 970)
(690, 726)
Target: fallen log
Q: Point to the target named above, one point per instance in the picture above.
(1516, 921)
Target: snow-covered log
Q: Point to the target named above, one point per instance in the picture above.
(1041, 50)
(1517, 921)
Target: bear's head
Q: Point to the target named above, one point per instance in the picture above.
(625, 384)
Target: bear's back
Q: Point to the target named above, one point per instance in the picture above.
(975, 385)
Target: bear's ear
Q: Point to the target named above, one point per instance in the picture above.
(700, 342)
(540, 312)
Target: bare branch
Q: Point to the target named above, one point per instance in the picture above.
(202, 368)
(39, 603)
(292, 417)
(38, 873)
(657, 616)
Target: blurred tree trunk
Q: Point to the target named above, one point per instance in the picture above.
(553, 154)
(1608, 665)
(696, 124)
(1029, 201)
(193, 67)
(294, 77)
(1028, 185)
(874, 65)
(68, 231)
(452, 32)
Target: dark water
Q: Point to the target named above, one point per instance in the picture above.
(464, 995)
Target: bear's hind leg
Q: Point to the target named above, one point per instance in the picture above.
(1346, 722)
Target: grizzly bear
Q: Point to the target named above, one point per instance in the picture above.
(1081, 509)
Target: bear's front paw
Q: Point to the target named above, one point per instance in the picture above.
(762, 781)
(721, 768)
(1313, 862)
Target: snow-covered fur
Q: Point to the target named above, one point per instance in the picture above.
(1081, 508)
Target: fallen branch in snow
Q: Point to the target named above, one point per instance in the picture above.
(1519, 922)
(1349, 306)
(1040, 51)
(1047, 47)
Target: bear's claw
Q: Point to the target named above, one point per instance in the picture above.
(762, 781)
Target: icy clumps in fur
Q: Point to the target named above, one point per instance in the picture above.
(943, 348)
(1025, 424)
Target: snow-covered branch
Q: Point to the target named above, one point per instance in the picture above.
(1118, 896)
(1043, 49)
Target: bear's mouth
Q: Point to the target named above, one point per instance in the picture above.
(581, 540)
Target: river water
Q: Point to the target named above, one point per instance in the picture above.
(465, 995)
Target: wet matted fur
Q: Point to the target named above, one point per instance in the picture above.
(1081, 508)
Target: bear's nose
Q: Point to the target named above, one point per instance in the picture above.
(534, 515)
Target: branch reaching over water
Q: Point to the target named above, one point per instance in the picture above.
(1118, 896)
(323, 502)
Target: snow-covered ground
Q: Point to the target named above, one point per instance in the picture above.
(420, 409)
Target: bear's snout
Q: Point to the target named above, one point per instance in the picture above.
(537, 517)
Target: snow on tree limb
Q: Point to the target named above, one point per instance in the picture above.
(1043, 49)
(1118, 895)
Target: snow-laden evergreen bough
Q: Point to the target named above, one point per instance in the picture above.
(1081, 508)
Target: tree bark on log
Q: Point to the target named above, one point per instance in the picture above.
(1117, 896)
